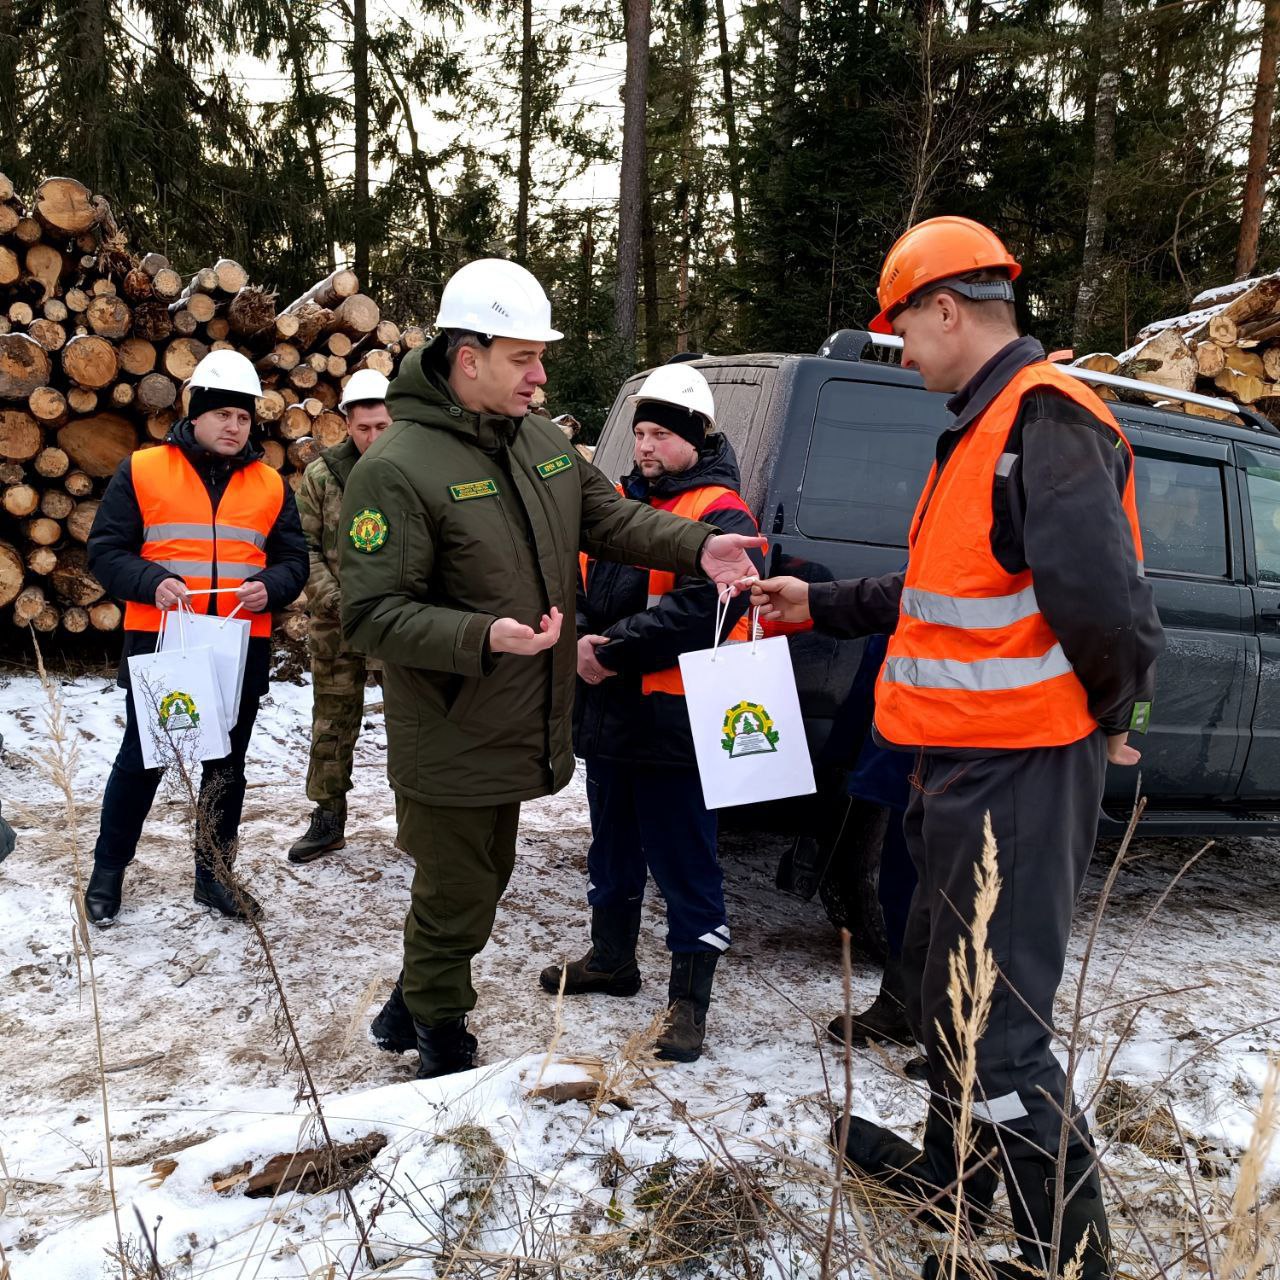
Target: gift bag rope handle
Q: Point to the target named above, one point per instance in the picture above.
(215, 591)
(722, 614)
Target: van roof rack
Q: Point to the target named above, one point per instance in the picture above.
(852, 344)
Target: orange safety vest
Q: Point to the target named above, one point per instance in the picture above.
(182, 532)
(691, 504)
(972, 662)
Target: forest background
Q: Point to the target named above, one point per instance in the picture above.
(708, 175)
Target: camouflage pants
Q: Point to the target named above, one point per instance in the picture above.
(337, 711)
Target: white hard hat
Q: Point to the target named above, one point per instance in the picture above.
(364, 384)
(226, 371)
(681, 385)
(498, 299)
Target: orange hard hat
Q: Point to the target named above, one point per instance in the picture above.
(933, 250)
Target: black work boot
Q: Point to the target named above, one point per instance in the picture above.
(325, 833)
(609, 967)
(689, 997)
(445, 1048)
(102, 895)
(884, 1020)
(236, 904)
(927, 1174)
(392, 1030)
(1031, 1184)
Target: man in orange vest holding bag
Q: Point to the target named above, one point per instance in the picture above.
(632, 728)
(200, 520)
(1022, 653)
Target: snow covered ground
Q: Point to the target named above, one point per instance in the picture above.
(716, 1169)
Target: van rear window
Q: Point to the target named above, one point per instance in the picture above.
(868, 459)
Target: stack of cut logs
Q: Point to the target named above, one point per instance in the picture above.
(95, 346)
(1227, 346)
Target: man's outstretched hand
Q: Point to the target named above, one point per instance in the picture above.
(724, 558)
(507, 635)
(1120, 752)
(781, 599)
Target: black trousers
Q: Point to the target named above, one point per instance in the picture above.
(131, 791)
(1044, 807)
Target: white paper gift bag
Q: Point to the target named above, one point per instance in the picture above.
(179, 707)
(748, 732)
(228, 638)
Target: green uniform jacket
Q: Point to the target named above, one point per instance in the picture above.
(320, 510)
(450, 520)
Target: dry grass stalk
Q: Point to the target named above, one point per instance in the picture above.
(198, 805)
(60, 759)
(971, 983)
(1253, 1232)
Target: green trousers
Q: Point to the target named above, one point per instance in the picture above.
(463, 861)
(337, 711)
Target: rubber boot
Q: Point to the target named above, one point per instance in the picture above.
(884, 1020)
(609, 967)
(325, 833)
(688, 999)
(444, 1049)
(927, 1174)
(1031, 1183)
(392, 1030)
(102, 895)
(236, 903)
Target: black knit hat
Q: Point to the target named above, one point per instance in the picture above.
(206, 399)
(683, 422)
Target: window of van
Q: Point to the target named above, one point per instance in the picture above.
(868, 460)
(1264, 504)
(1182, 512)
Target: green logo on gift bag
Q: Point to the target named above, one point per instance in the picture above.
(748, 731)
(178, 711)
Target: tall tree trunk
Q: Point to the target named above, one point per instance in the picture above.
(361, 106)
(91, 78)
(9, 61)
(784, 87)
(730, 127)
(1264, 106)
(649, 271)
(631, 182)
(1105, 101)
(523, 172)
(302, 91)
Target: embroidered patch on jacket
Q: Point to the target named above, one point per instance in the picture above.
(476, 489)
(369, 530)
(554, 466)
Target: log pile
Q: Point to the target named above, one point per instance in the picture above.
(1227, 346)
(95, 347)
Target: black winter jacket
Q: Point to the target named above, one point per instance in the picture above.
(615, 720)
(1059, 514)
(115, 545)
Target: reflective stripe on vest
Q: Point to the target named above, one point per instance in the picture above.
(692, 505)
(182, 533)
(973, 662)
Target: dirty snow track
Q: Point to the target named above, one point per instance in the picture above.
(473, 1170)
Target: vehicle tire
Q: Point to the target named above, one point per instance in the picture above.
(849, 889)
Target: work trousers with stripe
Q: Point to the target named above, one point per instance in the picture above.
(1044, 807)
(645, 820)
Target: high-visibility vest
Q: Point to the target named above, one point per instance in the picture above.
(692, 504)
(182, 532)
(973, 662)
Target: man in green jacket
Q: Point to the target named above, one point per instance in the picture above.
(462, 527)
(337, 674)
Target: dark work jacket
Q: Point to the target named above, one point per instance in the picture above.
(615, 720)
(115, 547)
(1058, 514)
